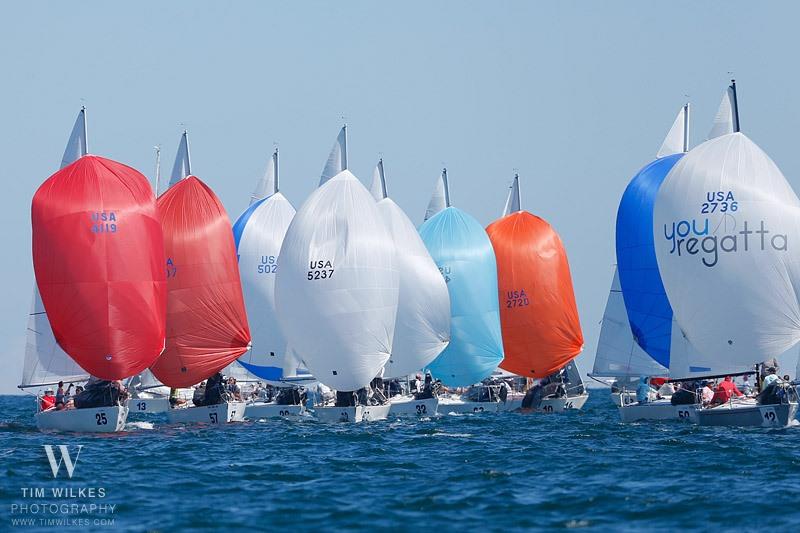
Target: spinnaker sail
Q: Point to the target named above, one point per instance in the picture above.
(98, 255)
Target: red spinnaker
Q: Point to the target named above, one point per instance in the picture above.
(98, 255)
(538, 315)
(206, 318)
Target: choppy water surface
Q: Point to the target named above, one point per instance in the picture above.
(507, 471)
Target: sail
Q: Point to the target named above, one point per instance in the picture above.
(378, 187)
(676, 142)
(725, 224)
(98, 251)
(422, 328)
(538, 314)
(618, 354)
(646, 302)
(206, 319)
(268, 184)
(687, 362)
(724, 119)
(44, 359)
(440, 200)
(337, 284)
(182, 167)
(513, 202)
(259, 234)
(573, 379)
(464, 255)
(78, 143)
(337, 160)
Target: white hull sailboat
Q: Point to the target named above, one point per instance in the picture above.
(87, 420)
(655, 410)
(258, 410)
(456, 404)
(220, 413)
(746, 412)
(408, 406)
(355, 413)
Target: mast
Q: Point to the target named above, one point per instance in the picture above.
(85, 132)
(158, 166)
(446, 188)
(735, 107)
(275, 169)
(686, 110)
(188, 158)
(383, 178)
(344, 147)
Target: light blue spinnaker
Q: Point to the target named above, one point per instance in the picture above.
(461, 249)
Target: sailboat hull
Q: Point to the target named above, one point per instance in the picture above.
(208, 414)
(733, 414)
(657, 410)
(254, 411)
(147, 406)
(408, 406)
(89, 420)
(455, 404)
(354, 414)
(562, 405)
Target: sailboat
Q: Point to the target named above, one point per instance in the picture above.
(463, 253)
(336, 289)
(538, 315)
(97, 246)
(422, 328)
(207, 326)
(618, 354)
(725, 223)
(258, 234)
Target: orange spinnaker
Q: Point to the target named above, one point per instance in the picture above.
(538, 315)
(206, 319)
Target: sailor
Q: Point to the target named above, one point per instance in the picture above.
(706, 393)
(726, 390)
(747, 387)
(666, 390)
(199, 396)
(644, 390)
(771, 377)
(48, 400)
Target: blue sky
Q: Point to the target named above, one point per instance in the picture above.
(575, 95)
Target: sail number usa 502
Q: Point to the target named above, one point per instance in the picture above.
(319, 269)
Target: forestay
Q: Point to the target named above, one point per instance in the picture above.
(336, 288)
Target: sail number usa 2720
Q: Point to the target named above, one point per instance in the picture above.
(319, 269)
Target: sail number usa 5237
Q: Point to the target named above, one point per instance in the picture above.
(320, 269)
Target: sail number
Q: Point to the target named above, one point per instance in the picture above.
(101, 419)
(214, 418)
(516, 299)
(319, 270)
(104, 222)
(268, 264)
(141, 406)
(421, 409)
(722, 201)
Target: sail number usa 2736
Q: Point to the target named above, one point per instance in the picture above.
(319, 270)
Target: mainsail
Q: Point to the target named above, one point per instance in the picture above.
(618, 354)
(725, 224)
(45, 362)
(461, 249)
(422, 329)
(538, 314)
(513, 201)
(268, 184)
(440, 200)
(207, 325)
(726, 120)
(336, 288)
(98, 251)
(259, 234)
(182, 167)
(646, 302)
(337, 160)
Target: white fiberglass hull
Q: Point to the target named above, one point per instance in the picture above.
(257, 410)
(147, 405)
(208, 414)
(90, 420)
(457, 405)
(747, 414)
(358, 413)
(656, 410)
(561, 405)
(408, 406)
(623, 398)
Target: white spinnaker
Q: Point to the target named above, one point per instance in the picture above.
(259, 247)
(675, 141)
(724, 119)
(422, 328)
(337, 160)
(182, 166)
(726, 230)
(337, 285)
(45, 362)
(618, 353)
(513, 200)
(268, 184)
(440, 199)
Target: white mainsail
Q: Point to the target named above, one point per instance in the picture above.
(337, 160)
(685, 361)
(45, 362)
(726, 224)
(618, 353)
(513, 200)
(725, 121)
(677, 141)
(182, 166)
(440, 200)
(268, 184)
(336, 288)
(422, 328)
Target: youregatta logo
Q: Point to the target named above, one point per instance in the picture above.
(695, 237)
(69, 464)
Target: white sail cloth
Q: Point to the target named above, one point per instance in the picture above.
(675, 141)
(182, 166)
(268, 184)
(618, 353)
(78, 143)
(513, 200)
(337, 159)
(337, 284)
(440, 199)
(726, 231)
(724, 119)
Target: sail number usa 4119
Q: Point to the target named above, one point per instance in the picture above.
(320, 269)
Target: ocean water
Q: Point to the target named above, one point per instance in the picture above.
(495, 472)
